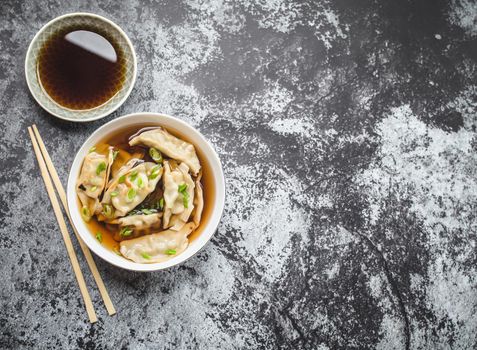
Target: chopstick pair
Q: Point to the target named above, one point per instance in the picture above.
(43, 157)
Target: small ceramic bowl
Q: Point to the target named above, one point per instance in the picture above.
(216, 199)
(89, 20)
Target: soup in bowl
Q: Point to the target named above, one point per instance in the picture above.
(146, 191)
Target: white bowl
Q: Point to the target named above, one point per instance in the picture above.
(203, 148)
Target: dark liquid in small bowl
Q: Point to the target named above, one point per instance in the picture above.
(81, 68)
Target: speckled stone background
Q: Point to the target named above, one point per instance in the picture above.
(347, 131)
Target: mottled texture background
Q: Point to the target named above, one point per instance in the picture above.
(347, 131)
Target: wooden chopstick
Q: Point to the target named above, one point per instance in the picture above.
(64, 231)
(87, 253)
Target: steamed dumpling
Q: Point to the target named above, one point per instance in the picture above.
(89, 206)
(133, 187)
(93, 174)
(178, 205)
(198, 201)
(170, 145)
(157, 247)
(135, 225)
(114, 181)
(140, 221)
(91, 182)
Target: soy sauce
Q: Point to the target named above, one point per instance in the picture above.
(81, 68)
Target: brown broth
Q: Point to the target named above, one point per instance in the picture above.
(119, 140)
(80, 67)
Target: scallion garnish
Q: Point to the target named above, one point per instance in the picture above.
(99, 237)
(145, 256)
(85, 213)
(122, 179)
(131, 193)
(101, 167)
(185, 195)
(92, 149)
(125, 232)
(140, 183)
(170, 251)
(133, 175)
(161, 203)
(108, 210)
(155, 155)
(147, 211)
(155, 171)
(115, 154)
(114, 193)
(93, 189)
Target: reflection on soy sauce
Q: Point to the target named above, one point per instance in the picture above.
(81, 68)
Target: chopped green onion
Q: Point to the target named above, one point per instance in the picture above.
(92, 149)
(155, 171)
(145, 256)
(155, 155)
(126, 232)
(185, 195)
(85, 213)
(161, 203)
(114, 193)
(115, 154)
(133, 175)
(122, 179)
(101, 167)
(140, 183)
(108, 210)
(147, 211)
(170, 251)
(94, 188)
(99, 237)
(131, 193)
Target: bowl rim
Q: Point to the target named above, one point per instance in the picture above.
(113, 107)
(208, 232)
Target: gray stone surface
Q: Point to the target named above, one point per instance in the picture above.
(348, 137)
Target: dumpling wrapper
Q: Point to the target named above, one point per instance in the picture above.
(153, 248)
(179, 220)
(198, 201)
(139, 222)
(175, 213)
(114, 181)
(92, 180)
(141, 186)
(170, 145)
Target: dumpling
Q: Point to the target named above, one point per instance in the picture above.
(93, 173)
(133, 186)
(114, 181)
(157, 247)
(135, 225)
(140, 221)
(178, 195)
(89, 206)
(170, 145)
(91, 182)
(198, 201)
(179, 220)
